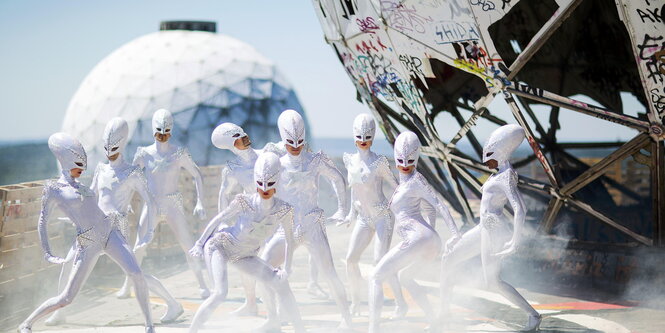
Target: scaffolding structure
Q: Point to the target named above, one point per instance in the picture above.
(412, 61)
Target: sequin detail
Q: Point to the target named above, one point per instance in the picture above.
(489, 221)
(119, 221)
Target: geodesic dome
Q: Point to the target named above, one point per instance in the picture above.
(202, 77)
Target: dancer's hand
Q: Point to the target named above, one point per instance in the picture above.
(338, 217)
(54, 259)
(508, 248)
(199, 210)
(282, 274)
(196, 250)
(450, 244)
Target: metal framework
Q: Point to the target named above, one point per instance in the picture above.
(412, 60)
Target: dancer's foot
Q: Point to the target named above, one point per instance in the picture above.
(150, 329)
(269, 326)
(355, 309)
(204, 292)
(533, 324)
(125, 291)
(24, 328)
(55, 319)
(245, 310)
(400, 311)
(316, 291)
(172, 313)
(344, 326)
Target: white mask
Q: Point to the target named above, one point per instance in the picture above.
(407, 149)
(291, 128)
(364, 127)
(266, 171)
(162, 121)
(502, 143)
(225, 135)
(68, 151)
(115, 136)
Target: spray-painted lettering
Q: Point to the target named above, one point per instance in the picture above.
(485, 5)
(451, 32)
(655, 66)
(367, 25)
(403, 18)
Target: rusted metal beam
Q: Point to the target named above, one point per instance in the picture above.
(590, 145)
(551, 213)
(539, 39)
(605, 219)
(658, 191)
(547, 167)
(529, 111)
(540, 95)
(600, 168)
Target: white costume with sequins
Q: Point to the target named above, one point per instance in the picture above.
(367, 173)
(420, 242)
(162, 163)
(299, 186)
(96, 233)
(256, 219)
(488, 238)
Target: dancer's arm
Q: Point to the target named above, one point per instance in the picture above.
(287, 225)
(225, 189)
(329, 170)
(429, 195)
(383, 168)
(194, 170)
(48, 202)
(230, 212)
(93, 185)
(140, 185)
(509, 185)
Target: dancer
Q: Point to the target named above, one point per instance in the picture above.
(367, 172)
(237, 177)
(487, 238)
(420, 242)
(115, 184)
(257, 217)
(161, 163)
(300, 183)
(96, 233)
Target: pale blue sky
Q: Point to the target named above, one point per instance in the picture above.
(49, 46)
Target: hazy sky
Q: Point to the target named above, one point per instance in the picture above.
(48, 47)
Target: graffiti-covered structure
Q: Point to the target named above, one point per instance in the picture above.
(202, 77)
(412, 61)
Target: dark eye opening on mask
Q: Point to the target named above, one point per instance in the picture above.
(159, 129)
(236, 135)
(410, 161)
(271, 183)
(367, 138)
(260, 183)
(489, 154)
(79, 164)
(400, 161)
(167, 130)
(358, 137)
(300, 141)
(114, 149)
(289, 141)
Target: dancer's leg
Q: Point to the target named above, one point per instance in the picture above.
(273, 254)
(319, 248)
(218, 268)
(141, 230)
(361, 236)
(84, 261)
(266, 274)
(119, 251)
(384, 234)
(465, 249)
(59, 317)
(178, 223)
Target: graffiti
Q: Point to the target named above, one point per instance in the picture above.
(404, 19)
(504, 3)
(412, 64)
(485, 5)
(367, 25)
(658, 101)
(651, 14)
(475, 53)
(349, 8)
(489, 74)
(525, 88)
(367, 46)
(451, 32)
(650, 47)
(539, 154)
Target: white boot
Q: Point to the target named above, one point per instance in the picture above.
(125, 291)
(316, 291)
(150, 329)
(56, 319)
(245, 310)
(204, 292)
(270, 325)
(24, 328)
(172, 313)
